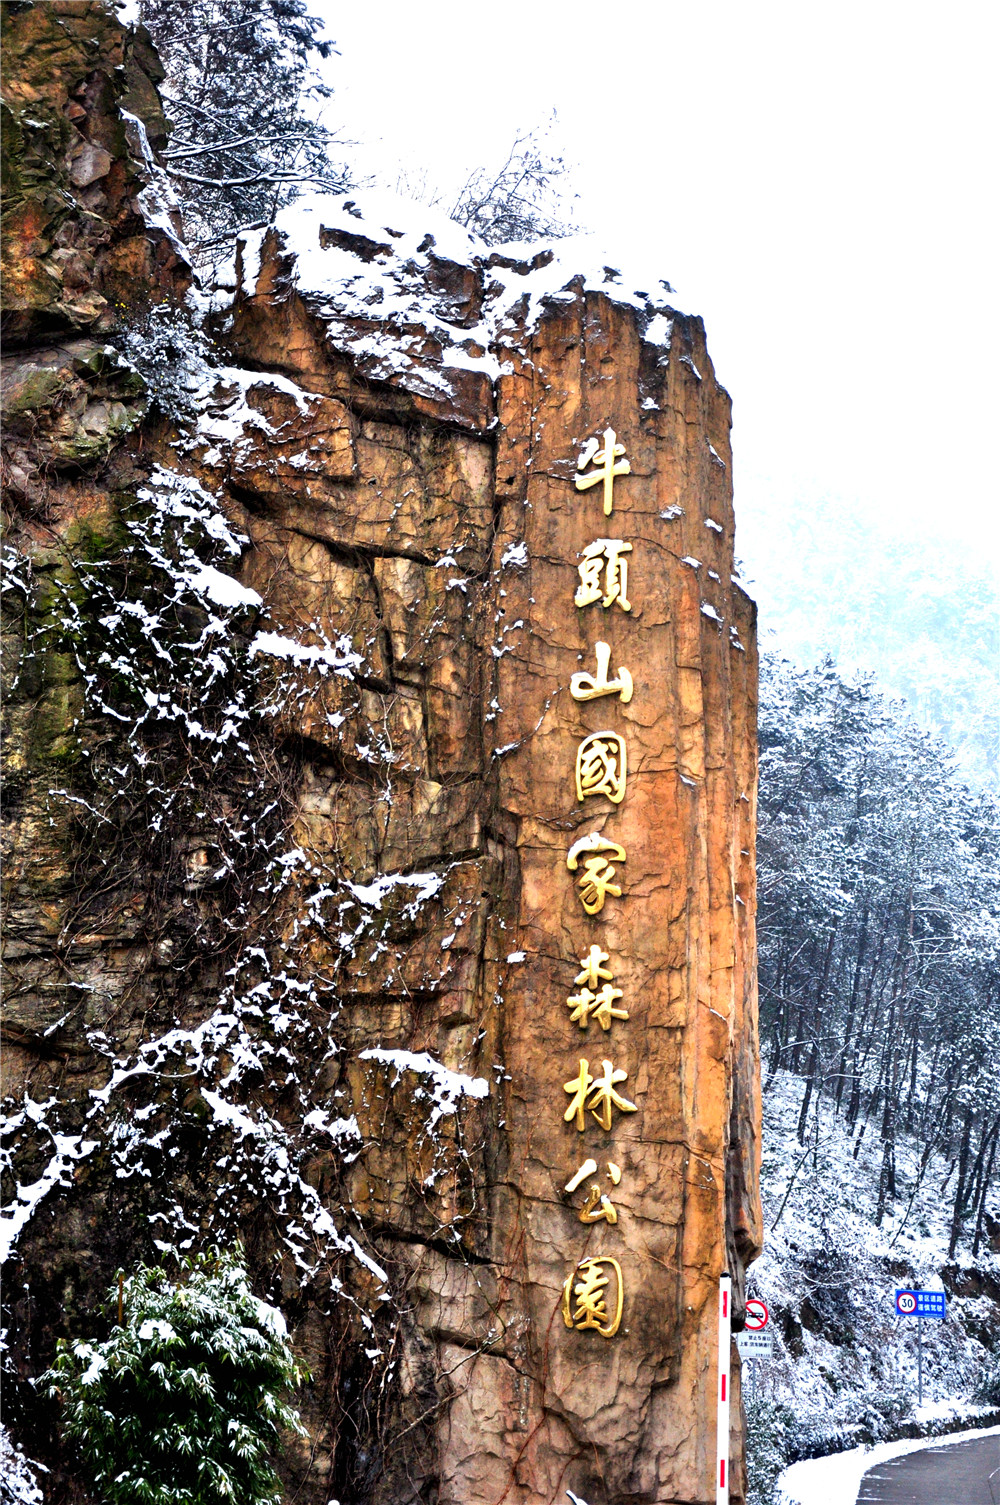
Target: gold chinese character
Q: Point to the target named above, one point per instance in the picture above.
(597, 870)
(602, 766)
(596, 1095)
(596, 996)
(588, 1168)
(608, 463)
(593, 968)
(591, 686)
(599, 1005)
(598, 1207)
(603, 1095)
(604, 554)
(585, 1297)
(579, 1087)
(596, 884)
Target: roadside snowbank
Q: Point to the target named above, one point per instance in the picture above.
(835, 1480)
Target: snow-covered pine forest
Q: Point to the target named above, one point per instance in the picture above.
(879, 965)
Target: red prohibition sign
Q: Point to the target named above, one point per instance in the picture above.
(757, 1315)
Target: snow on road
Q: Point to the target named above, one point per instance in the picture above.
(835, 1480)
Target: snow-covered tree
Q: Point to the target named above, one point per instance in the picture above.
(245, 102)
(519, 198)
(879, 926)
(185, 1402)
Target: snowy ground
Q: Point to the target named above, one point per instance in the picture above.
(837, 1479)
(844, 1363)
(18, 1482)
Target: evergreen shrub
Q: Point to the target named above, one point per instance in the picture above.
(769, 1428)
(185, 1402)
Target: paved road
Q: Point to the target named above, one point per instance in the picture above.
(940, 1475)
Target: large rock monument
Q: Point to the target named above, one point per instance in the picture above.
(380, 882)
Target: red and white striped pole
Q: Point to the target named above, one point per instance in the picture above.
(722, 1392)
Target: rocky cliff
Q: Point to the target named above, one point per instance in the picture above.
(381, 811)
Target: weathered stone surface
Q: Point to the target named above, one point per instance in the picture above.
(287, 446)
(394, 445)
(74, 241)
(64, 407)
(414, 325)
(671, 936)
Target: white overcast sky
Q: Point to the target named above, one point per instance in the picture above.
(817, 180)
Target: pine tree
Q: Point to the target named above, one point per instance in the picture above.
(184, 1403)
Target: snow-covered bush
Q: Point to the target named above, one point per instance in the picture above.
(988, 1391)
(865, 1415)
(768, 1425)
(18, 1484)
(185, 1402)
(169, 766)
(168, 349)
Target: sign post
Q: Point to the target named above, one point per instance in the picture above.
(722, 1392)
(921, 1304)
(754, 1343)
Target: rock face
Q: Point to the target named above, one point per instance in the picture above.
(75, 241)
(345, 977)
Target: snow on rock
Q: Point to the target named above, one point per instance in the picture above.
(20, 1486)
(444, 1088)
(417, 299)
(183, 497)
(225, 413)
(222, 589)
(231, 1116)
(514, 557)
(345, 1132)
(340, 657)
(158, 201)
(67, 1149)
(371, 895)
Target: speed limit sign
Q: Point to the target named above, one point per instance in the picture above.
(922, 1304)
(757, 1315)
